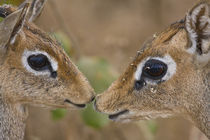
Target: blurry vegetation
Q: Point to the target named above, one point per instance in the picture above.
(1, 19)
(13, 2)
(152, 126)
(100, 75)
(64, 42)
(58, 114)
(98, 71)
(149, 128)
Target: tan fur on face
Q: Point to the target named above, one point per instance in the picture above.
(186, 93)
(58, 85)
(28, 88)
(123, 87)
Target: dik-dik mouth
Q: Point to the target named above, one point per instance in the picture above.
(116, 115)
(77, 105)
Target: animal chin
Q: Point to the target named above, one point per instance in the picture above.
(148, 115)
(127, 116)
(117, 115)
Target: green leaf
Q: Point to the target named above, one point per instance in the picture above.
(152, 126)
(58, 114)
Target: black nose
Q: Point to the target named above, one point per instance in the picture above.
(95, 106)
(93, 98)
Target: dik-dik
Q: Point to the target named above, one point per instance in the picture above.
(170, 75)
(34, 70)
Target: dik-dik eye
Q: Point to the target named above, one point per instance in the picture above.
(154, 69)
(38, 62)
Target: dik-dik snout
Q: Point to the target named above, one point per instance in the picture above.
(35, 69)
(169, 75)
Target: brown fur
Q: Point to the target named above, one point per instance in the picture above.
(186, 93)
(19, 87)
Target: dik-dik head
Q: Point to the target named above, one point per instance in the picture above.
(34, 68)
(168, 76)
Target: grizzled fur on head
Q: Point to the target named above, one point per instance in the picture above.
(180, 56)
(22, 84)
(34, 70)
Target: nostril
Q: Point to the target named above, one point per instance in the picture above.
(139, 84)
(54, 74)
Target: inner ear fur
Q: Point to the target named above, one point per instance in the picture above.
(197, 24)
(11, 26)
(36, 7)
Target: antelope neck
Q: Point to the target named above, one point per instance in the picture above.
(12, 120)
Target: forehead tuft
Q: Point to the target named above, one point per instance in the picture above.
(150, 48)
(167, 34)
(40, 40)
(151, 45)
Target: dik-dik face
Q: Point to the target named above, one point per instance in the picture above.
(166, 75)
(35, 69)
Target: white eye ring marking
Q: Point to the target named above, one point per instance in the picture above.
(139, 69)
(52, 61)
(166, 59)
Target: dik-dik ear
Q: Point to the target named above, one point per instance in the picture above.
(35, 9)
(11, 26)
(197, 24)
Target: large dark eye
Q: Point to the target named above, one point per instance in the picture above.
(38, 62)
(154, 69)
